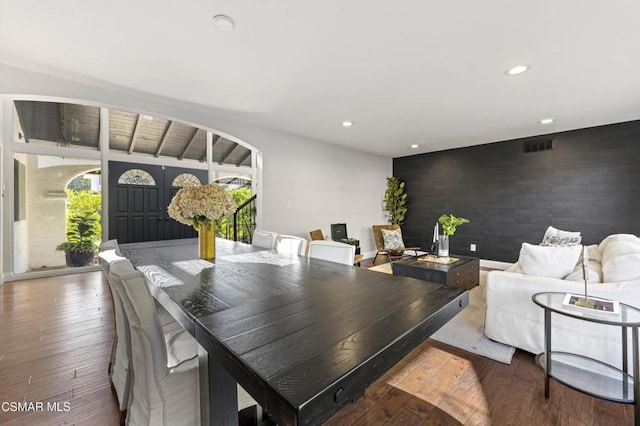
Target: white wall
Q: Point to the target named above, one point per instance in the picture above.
(307, 184)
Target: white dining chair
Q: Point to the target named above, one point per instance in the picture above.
(264, 239)
(119, 358)
(180, 345)
(333, 251)
(111, 245)
(291, 244)
(163, 392)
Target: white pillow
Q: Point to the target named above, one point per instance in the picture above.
(595, 272)
(557, 238)
(621, 260)
(545, 261)
(618, 237)
(594, 253)
(392, 239)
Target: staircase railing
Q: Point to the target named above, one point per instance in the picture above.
(244, 220)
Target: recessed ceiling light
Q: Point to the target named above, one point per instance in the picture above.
(518, 69)
(546, 121)
(224, 22)
(414, 146)
(347, 123)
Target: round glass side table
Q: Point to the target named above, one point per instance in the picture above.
(584, 374)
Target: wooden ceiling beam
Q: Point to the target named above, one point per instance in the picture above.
(134, 136)
(63, 125)
(186, 148)
(228, 153)
(243, 158)
(20, 110)
(216, 138)
(167, 128)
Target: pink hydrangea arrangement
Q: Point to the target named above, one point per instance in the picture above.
(196, 205)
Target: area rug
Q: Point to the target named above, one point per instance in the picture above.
(384, 268)
(466, 330)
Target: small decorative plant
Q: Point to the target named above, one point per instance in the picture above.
(80, 247)
(449, 223)
(395, 200)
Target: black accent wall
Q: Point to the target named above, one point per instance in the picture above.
(589, 182)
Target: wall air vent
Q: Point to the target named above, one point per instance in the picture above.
(537, 145)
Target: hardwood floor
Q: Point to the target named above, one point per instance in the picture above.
(55, 336)
(55, 339)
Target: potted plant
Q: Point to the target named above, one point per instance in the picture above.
(449, 224)
(395, 201)
(80, 247)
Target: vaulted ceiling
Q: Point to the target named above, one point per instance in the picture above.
(421, 72)
(79, 125)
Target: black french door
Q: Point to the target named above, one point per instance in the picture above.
(139, 195)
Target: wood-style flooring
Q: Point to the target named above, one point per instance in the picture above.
(55, 339)
(55, 336)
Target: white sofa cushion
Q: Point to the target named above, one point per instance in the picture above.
(595, 272)
(557, 238)
(618, 237)
(594, 253)
(621, 259)
(546, 261)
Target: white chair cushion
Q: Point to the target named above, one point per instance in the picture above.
(392, 239)
(545, 261)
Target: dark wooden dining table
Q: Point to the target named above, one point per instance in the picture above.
(304, 337)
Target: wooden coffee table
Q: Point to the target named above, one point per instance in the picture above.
(465, 273)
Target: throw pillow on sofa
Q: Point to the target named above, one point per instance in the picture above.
(618, 237)
(547, 261)
(621, 258)
(557, 238)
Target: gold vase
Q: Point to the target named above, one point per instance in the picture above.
(207, 240)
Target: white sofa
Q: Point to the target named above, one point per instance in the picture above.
(514, 319)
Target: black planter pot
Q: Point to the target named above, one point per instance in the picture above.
(79, 259)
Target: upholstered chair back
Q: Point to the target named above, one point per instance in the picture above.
(148, 350)
(292, 245)
(333, 251)
(111, 245)
(120, 350)
(264, 239)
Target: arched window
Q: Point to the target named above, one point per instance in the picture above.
(136, 177)
(186, 179)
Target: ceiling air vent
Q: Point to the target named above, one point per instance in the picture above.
(537, 145)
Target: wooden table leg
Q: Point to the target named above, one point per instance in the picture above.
(218, 393)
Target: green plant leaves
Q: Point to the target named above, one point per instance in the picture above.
(450, 223)
(395, 200)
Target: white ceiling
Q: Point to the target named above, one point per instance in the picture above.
(425, 72)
